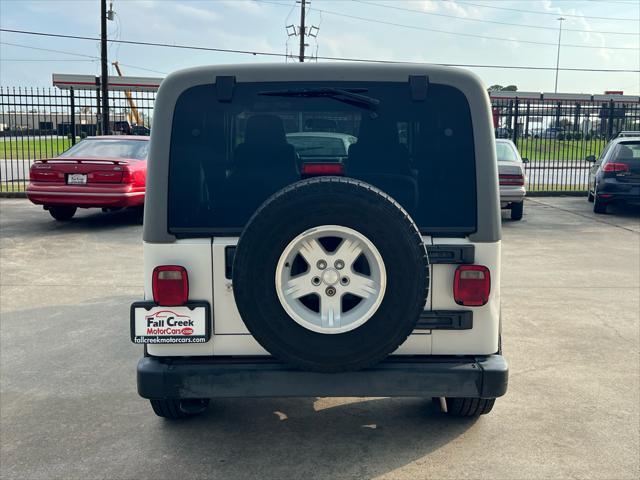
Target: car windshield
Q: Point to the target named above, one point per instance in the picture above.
(109, 148)
(505, 152)
(228, 157)
(319, 146)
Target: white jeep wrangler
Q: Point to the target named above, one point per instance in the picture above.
(321, 230)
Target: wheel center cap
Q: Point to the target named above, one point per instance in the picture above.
(330, 276)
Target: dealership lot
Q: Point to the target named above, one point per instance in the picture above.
(571, 328)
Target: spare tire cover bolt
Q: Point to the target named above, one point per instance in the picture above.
(315, 280)
(321, 264)
(339, 264)
(330, 291)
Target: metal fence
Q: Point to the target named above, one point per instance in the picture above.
(557, 131)
(554, 131)
(43, 122)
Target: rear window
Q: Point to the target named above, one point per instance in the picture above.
(107, 148)
(627, 151)
(505, 152)
(227, 157)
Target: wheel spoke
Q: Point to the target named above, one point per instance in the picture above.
(361, 286)
(348, 251)
(312, 251)
(330, 310)
(299, 286)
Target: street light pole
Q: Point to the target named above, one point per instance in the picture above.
(560, 19)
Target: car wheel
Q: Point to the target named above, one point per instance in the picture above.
(62, 214)
(469, 407)
(590, 196)
(330, 274)
(174, 409)
(599, 206)
(517, 210)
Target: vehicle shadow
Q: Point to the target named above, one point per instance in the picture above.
(313, 438)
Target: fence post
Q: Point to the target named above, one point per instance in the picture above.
(98, 111)
(72, 99)
(515, 123)
(610, 126)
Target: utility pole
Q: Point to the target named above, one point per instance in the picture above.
(104, 81)
(302, 29)
(560, 19)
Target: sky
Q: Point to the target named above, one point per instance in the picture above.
(478, 32)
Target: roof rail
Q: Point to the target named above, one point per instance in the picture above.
(627, 133)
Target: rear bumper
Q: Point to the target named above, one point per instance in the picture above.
(162, 377)
(120, 196)
(511, 194)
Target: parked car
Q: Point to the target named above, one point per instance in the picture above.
(320, 148)
(502, 132)
(512, 177)
(273, 285)
(140, 130)
(98, 172)
(614, 177)
(550, 133)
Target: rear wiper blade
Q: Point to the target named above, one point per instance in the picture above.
(348, 95)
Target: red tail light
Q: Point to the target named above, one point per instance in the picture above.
(315, 169)
(170, 285)
(517, 179)
(41, 172)
(105, 176)
(472, 285)
(615, 167)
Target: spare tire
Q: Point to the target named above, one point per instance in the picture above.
(330, 274)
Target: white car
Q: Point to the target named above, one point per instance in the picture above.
(512, 177)
(266, 278)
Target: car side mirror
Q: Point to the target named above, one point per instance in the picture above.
(590, 158)
(525, 160)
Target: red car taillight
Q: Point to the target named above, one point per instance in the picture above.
(41, 172)
(170, 285)
(472, 285)
(511, 179)
(615, 167)
(105, 176)
(316, 169)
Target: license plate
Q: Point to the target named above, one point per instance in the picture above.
(76, 179)
(154, 324)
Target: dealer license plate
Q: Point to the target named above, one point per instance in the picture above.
(170, 325)
(77, 179)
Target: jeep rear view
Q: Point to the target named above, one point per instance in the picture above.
(321, 230)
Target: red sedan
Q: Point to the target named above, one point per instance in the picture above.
(98, 172)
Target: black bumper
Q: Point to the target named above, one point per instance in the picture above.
(162, 377)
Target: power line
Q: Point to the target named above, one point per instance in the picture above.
(347, 59)
(555, 14)
(457, 17)
(447, 32)
(43, 60)
(92, 57)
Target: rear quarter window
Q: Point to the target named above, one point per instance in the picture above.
(227, 157)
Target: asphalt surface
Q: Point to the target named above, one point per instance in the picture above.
(69, 408)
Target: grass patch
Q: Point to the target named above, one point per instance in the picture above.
(33, 148)
(538, 149)
(12, 187)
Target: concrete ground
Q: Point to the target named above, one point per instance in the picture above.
(69, 408)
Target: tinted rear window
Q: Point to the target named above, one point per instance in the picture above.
(228, 157)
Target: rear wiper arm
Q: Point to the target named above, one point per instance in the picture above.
(349, 95)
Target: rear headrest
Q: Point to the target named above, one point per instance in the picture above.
(378, 131)
(265, 129)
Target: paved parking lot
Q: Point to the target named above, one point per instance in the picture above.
(69, 408)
